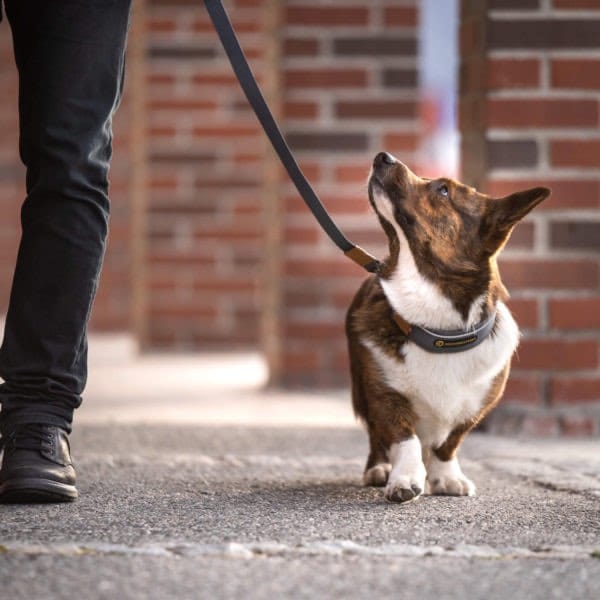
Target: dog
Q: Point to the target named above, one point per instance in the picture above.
(430, 337)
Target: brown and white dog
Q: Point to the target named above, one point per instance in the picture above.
(430, 336)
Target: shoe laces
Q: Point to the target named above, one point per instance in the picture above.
(28, 436)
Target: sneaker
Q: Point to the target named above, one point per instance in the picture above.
(36, 465)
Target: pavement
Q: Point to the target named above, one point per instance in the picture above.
(195, 482)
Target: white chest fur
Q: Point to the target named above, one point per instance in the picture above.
(444, 389)
(448, 389)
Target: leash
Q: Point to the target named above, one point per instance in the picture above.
(430, 340)
(250, 87)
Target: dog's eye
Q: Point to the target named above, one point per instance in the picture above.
(443, 190)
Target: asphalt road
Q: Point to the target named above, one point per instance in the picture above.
(222, 511)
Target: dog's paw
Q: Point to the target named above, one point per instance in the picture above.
(403, 490)
(378, 475)
(447, 479)
(451, 486)
(404, 487)
(407, 478)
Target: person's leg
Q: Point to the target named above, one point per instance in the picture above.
(70, 58)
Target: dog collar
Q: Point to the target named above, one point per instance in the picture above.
(442, 341)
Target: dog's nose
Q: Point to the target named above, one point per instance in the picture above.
(384, 158)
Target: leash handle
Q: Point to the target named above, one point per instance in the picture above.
(250, 87)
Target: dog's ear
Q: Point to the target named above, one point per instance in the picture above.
(504, 213)
(513, 208)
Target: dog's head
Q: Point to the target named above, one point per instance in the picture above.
(452, 231)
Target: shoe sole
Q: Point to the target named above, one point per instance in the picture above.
(36, 491)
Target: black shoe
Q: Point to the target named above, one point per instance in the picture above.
(36, 465)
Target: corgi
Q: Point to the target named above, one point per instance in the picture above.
(430, 337)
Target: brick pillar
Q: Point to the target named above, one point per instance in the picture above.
(349, 81)
(205, 221)
(529, 115)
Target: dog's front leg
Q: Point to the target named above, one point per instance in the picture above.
(445, 478)
(407, 478)
(444, 475)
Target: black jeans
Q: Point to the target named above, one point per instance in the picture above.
(70, 58)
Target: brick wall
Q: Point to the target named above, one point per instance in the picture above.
(218, 222)
(206, 157)
(348, 79)
(529, 115)
(349, 90)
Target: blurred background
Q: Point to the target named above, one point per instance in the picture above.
(212, 250)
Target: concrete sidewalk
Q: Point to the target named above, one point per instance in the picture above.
(195, 484)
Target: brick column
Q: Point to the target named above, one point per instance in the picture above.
(529, 115)
(349, 81)
(205, 221)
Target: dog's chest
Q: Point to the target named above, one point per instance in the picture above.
(446, 390)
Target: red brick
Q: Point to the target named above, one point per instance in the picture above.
(578, 74)
(400, 16)
(161, 183)
(172, 311)
(525, 311)
(575, 153)
(300, 47)
(556, 353)
(311, 169)
(376, 109)
(523, 389)
(522, 236)
(578, 426)
(161, 78)
(225, 284)
(249, 3)
(576, 33)
(297, 361)
(471, 113)
(574, 313)
(162, 131)
(220, 79)
(324, 78)
(314, 330)
(182, 104)
(203, 25)
(300, 110)
(540, 274)
(565, 194)
(322, 16)
(245, 158)
(161, 25)
(471, 39)
(227, 131)
(575, 4)
(352, 173)
(506, 73)
(315, 269)
(473, 74)
(303, 235)
(397, 142)
(574, 390)
(513, 4)
(542, 113)
(347, 204)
